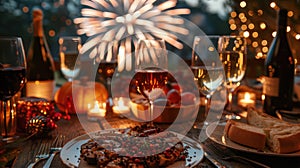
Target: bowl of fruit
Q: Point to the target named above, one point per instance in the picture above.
(173, 105)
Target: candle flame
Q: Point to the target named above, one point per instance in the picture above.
(247, 96)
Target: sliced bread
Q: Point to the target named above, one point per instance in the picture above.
(245, 134)
(282, 136)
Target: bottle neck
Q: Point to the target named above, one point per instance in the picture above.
(38, 28)
(282, 24)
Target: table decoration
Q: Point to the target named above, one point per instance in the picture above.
(33, 111)
(121, 106)
(81, 93)
(39, 125)
(246, 99)
(96, 111)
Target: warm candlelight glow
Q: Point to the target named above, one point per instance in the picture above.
(97, 111)
(121, 106)
(246, 99)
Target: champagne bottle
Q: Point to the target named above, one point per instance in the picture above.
(279, 71)
(40, 74)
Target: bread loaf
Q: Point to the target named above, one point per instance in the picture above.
(282, 137)
(263, 120)
(245, 134)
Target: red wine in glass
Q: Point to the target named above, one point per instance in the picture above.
(12, 80)
(148, 79)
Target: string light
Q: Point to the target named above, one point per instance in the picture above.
(272, 4)
(243, 4)
(257, 23)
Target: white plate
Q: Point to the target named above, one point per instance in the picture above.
(215, 132)
(295, 111)
(70, 153)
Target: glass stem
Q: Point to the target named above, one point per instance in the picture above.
(207, 108)
(151, 112)
(229, 106)
(108, 82)
(207, 104)
(109, 102)
(5, 119)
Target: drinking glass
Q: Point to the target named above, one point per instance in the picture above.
(13, 78)
(207, 68)
(69, 47)
(233, 56)
(107, 67)
(150, 71)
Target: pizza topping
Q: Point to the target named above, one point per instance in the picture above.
(141, 146)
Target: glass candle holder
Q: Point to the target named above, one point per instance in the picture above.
(121, 106)
(246, 99)
(96, 111)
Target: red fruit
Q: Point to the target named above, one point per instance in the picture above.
(176, 86)
(173, 97)
(188, 98)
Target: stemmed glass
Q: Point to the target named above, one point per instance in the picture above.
(207, 68)
(107, 66)
(69, 47)
(232, 51)
(12, 77)
(150, 70)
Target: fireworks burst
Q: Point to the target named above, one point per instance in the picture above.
(122, 22)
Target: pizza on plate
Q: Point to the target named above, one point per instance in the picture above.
(137, 147)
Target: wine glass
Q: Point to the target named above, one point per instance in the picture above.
(150, 71)
(233, 56)
(12, 77)
(69, 47)
(107, 67)
(207, 69)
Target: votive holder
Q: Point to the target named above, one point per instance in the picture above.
(121, 106)
(246, 99)
(96, 111)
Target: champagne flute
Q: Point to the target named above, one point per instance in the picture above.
(69, 47)
(233, 56)
(150, 71)
(207, 69)
(12, 77)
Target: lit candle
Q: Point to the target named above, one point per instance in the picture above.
(246, 99)
(97, 111)
(121, 106)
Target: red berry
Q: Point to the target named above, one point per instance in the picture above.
(188, 98)
(173, 96)
(176, 86)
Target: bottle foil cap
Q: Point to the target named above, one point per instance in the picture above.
(37, 14)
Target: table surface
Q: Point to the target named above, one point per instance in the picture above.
(75, 127)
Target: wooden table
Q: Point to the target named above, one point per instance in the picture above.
(73, 128)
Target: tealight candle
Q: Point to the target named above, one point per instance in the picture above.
(246, 99)
(97, 111)
(121, 106)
